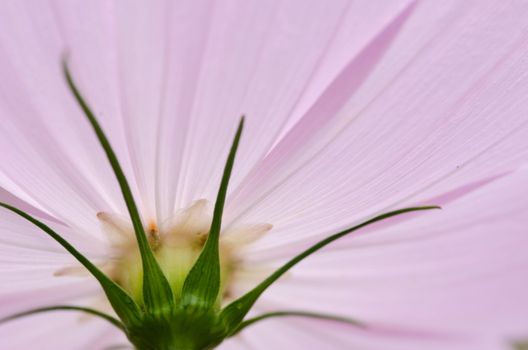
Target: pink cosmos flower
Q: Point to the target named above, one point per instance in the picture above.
(353, 109)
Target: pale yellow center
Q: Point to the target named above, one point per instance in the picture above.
(176, 243)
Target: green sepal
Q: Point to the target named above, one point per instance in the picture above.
(295, 313)
(122, 303)
(157, 293)
(202, 284)
(234, 313)
(521, 345)
(87, 310)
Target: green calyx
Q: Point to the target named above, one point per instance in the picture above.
(170, 298)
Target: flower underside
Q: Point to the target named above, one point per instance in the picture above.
(176, 245)
(167, 285)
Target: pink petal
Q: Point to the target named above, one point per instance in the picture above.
(16, 232)
(160, 85)
(51, 158)
(29, 259)
(294, 333)
(257, 60)
(68, 329)
(453, 272)
(185, 73)
(444, 108)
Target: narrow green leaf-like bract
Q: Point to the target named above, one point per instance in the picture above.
(202, 285)
(122, 303)
(235, 312)
(296, 313)
(157, 293)
(90, 311)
